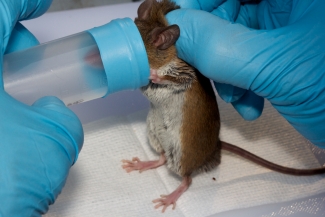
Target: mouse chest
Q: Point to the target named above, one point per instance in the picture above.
(166, 114)
(164, 123)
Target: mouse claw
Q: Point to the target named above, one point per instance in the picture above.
(136, 159)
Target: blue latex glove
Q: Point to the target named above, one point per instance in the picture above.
(39, 143)
(273, 50)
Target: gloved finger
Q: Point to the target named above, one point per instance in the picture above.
(206, 5)
(275, 14)
(194, 4)
(66, 123)
(224, 58)
(229, 93)
(233, 11)
(20, 39)
(247, 16)
(29, 9)
(249, 106)
(228, 10)
(13, 11)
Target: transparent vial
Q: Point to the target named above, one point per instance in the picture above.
(69, 68)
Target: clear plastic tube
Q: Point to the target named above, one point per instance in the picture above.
(80, 67)
(69, 68)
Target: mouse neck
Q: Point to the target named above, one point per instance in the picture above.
(176, 68)
(176, 75)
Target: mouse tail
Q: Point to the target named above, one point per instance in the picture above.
(278, 168)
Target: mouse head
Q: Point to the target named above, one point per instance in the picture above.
(159, 38)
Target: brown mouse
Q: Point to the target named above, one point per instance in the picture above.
(183, 123)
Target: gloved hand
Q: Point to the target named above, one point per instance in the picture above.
(273, 50)
(39, 143)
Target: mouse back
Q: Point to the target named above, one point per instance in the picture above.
(201, 147)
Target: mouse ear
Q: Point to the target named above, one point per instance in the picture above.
(164, 37)
(144, 9)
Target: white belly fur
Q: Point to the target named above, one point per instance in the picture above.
(164, 123)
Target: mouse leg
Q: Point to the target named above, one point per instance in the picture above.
(137, 164)
(166, 200)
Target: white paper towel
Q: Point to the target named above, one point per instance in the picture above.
(98, 186)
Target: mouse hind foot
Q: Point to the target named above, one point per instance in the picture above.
(170, 199)
(137, 164)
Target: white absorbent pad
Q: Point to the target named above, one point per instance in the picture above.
(98, 186)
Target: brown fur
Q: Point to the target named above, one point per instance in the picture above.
(200, 147)
(156, 18)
